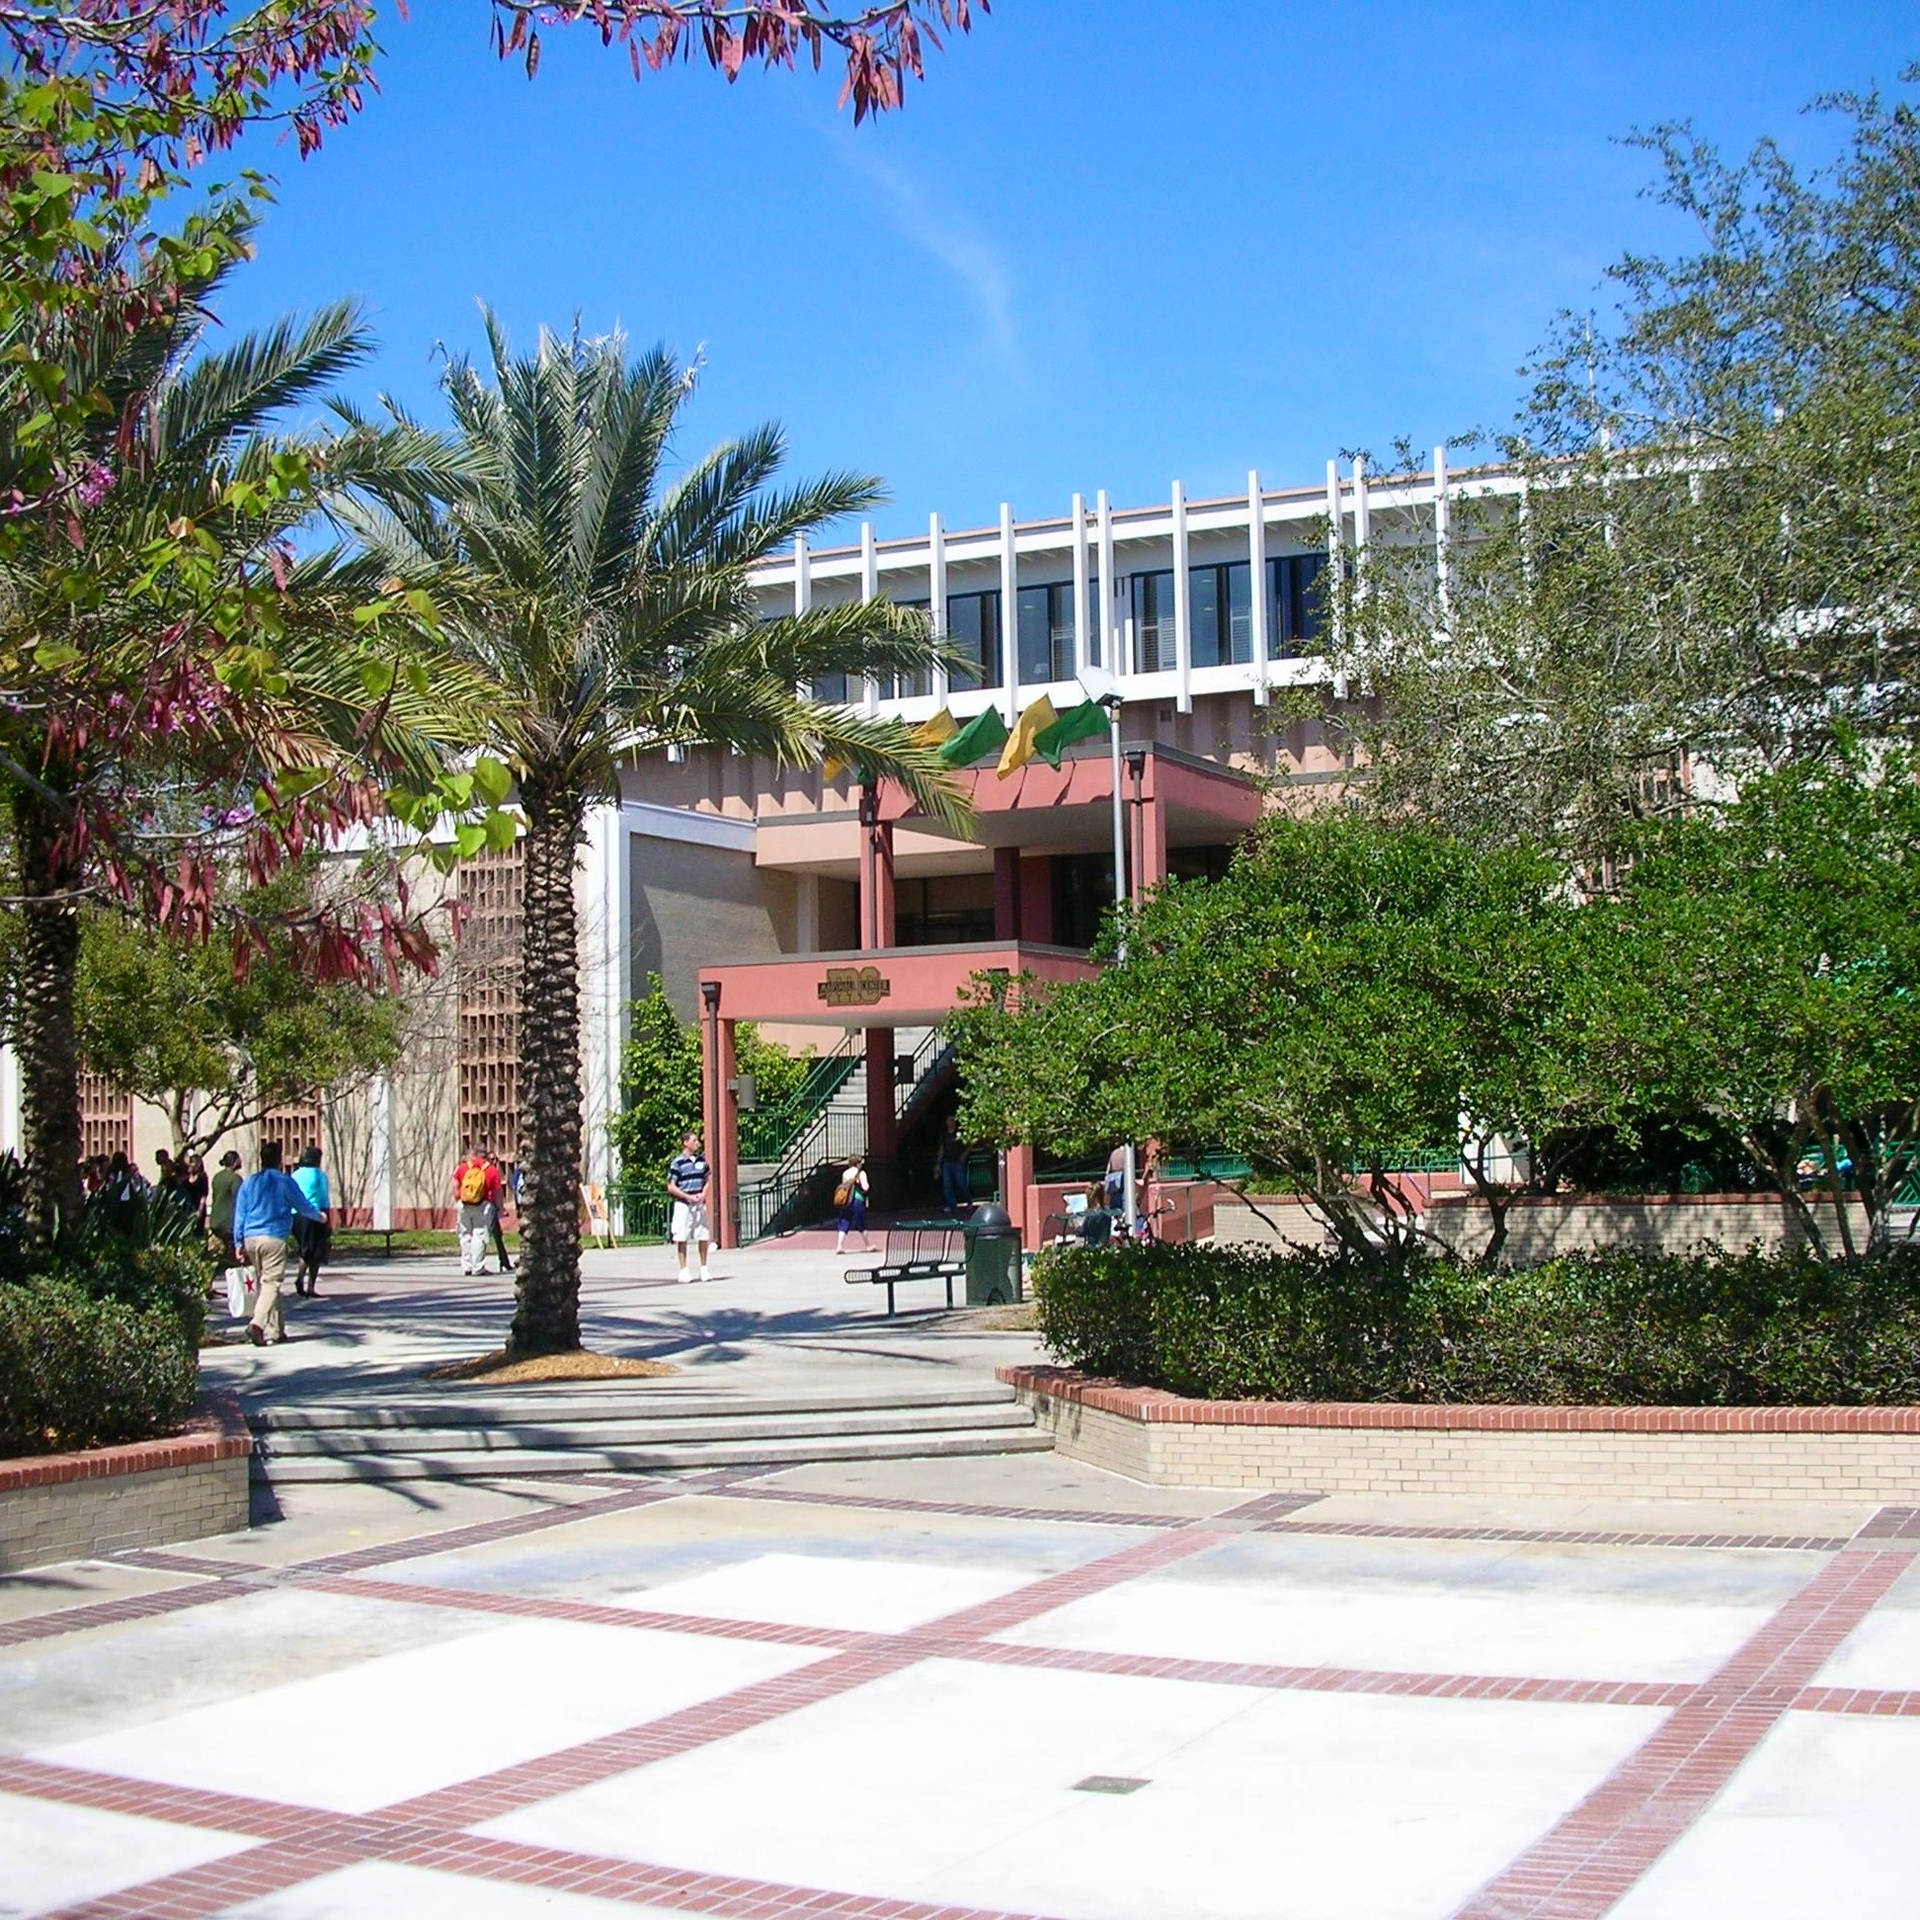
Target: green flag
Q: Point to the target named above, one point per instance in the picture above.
(1077, 723)
(982, 735)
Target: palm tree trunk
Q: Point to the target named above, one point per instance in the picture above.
(546, 1317)
(49, 1054)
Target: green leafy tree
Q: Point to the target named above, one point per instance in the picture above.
(1716, 556)
(219, 1051)
(608, 605)
(1780, 942)
(660, 1083)
(1347, 995)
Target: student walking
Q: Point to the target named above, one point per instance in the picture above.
(476, 1186)
(687, 1177)
(263, 1214)
(313, 1238)
(955, 1188)
(221, 1194)
(493, 1210)
(851, 1199)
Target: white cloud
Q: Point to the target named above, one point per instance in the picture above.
(951, 240)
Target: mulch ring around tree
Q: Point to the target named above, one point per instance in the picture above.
(497, 1370)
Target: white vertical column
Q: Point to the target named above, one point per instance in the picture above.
(937, 597)
(380, 1155)
(1082, 628)
(1257, 583)
(1009, 618)
(1110, 652)
(1442, 520)
(1182, 601)
(869, 590)
(802, 581)
(1336, 547)
(1362, 514)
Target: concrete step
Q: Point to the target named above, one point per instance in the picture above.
(473, 1465)
(551, 1435)
(623, 1400)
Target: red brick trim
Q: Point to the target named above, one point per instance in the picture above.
(216, 1430)
(1156, 1407)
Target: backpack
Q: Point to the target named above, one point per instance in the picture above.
(473, 1184)
(843, 1193)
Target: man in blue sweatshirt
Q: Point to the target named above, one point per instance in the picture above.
(263, 1213)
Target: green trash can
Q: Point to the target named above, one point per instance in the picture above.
(993, 1258)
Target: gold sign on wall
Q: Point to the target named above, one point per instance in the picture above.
(854, 987)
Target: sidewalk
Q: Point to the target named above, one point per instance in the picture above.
(776, 1317)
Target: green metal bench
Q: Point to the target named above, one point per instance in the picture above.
(915, 1250)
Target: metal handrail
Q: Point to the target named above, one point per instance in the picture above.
(769, 1133)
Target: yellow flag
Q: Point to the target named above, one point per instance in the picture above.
(932, 733)
(1027, 729)
(831, 770)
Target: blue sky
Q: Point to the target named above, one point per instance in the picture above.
(1110, 243)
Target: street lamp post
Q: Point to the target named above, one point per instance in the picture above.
(1100, 686)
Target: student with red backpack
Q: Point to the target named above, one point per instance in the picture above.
(476, 1186)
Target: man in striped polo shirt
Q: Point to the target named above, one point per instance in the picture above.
(687, 1175)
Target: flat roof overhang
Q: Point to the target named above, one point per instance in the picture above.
(1040, 809)
(886, 987)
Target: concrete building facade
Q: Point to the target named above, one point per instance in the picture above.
(841, 919)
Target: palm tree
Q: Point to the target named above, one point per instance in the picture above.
(164, 650)
(609, 605)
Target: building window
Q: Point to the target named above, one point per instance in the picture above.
(1296, 617)
(1082, 897)
(1222, 614)
(973, 632)
(950, 910)
(830, 689)
(1045, 618)
(1153, 641)
(907, 686)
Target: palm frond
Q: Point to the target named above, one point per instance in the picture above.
(233, 395)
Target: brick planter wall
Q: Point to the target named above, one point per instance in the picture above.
(75, 1506)
(1674, 1453)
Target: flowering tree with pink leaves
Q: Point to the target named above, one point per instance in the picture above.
(183, 696)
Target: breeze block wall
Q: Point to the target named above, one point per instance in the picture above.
(78, 1506)
(1669, 1453)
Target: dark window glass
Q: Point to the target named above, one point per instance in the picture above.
(950, 912)
(907, 686)
(831, 689)
(1295, 616)
(1153, 643)
(1082, 896)
(1222, 614)
(1203, 604)
(1046, 633)
(973, 632)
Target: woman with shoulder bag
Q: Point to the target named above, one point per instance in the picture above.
(850, 1198)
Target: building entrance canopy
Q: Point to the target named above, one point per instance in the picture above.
(881, 987)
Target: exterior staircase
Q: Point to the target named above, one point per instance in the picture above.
(777, 1196)
(618, 1429)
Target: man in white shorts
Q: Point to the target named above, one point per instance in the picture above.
(687, 1176)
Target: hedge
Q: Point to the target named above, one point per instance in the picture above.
(78, 1370)
(1620, 1327)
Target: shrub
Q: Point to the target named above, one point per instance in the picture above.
(171, 1277)
(77, 1370)
(1616, 1327)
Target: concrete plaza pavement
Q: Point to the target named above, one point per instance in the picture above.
(777, 1317)
(932, 1689)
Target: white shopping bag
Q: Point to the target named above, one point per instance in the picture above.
(239, 1282)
